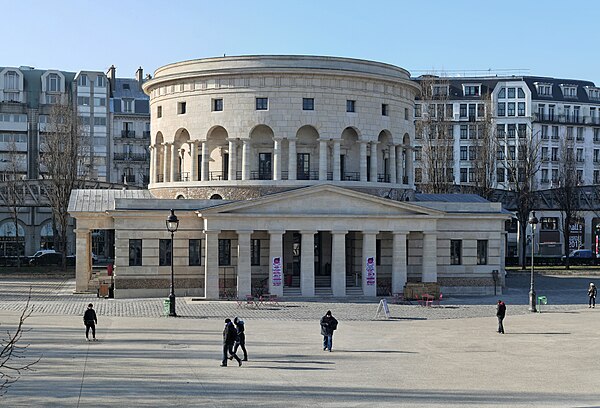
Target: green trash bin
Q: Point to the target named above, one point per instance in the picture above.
(542, 300)
(166, 306)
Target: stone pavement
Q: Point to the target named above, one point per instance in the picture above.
(423, 357)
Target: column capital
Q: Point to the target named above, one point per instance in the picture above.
(243, 232)
(276, 232)
(211, 231)
(400, 232)
(338, 232)
(308, 232)
(370, 232)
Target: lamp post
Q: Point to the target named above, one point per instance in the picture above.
(533, 221)
(172, 225)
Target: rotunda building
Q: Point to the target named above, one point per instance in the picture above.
(240, 127)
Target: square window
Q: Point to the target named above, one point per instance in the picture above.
(135, 252)
(181, 108)
(159, 111)
(384, 109)
(350, 106)
(308, 104)
(262, 103)
(164, 252)
(217, 105)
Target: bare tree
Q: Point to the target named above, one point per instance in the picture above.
(13, 359)
(522, 163)
(435, 130)
(566, 195)
(13, 194)
(487, 146)
(65, 159)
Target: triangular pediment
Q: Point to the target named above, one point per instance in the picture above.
(323, 200)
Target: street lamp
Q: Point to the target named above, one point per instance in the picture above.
(533, 221)
(172, 225)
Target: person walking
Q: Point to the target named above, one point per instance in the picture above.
(592, 292)
(229, 338)
(500, 313)
(90, 320)
(241, 337)
(328, 326)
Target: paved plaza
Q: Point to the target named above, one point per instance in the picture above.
(436, 356)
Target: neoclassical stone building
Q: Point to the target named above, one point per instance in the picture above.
(289, 172)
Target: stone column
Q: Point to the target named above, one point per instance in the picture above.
(174, 157)
(400, 164)
(211, 264)
(165, 168)
(292, 159)
(373, 162)
(204, 164)
(369, 251)
(276, 159)
(338, 263)
(276, 251)
(429, 257)
(336, 161)
(307, 263)
(410, 173)
(194, 161)
(245, 160)
(157, 149)
(231, 174)
(363, 161)
(392, 166)
(399, 267)
(152, 155)
(322, 159)
(244, 268)
(83, 257)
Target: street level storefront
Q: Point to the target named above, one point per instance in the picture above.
(315, 241)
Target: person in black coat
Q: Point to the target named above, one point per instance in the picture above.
(328, 326)
(500, 313)
(229, 338)
(592, 292)
(90, 320)
(241, 337)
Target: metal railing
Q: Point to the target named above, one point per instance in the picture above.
(185, 176)
(217, 175)
(351, 176)
(131, 156)
(128, 133)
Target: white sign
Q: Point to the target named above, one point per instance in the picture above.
(276, 271)
(370, 270)
(383, 306)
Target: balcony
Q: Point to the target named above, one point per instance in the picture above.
(568, 119)
(128, 134)
(146, 134)
(383, 178)
(142, 157)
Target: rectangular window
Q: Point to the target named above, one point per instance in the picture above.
(406, 115)
(500, 175)
(164, 252)
(262, 103)
(471, 90)
(83, 100)
(181, 108)
(554, 156)
(511, 109)
(512, 130)
(463, 153)
(384, 109)
(99, 101)
(544, 154)
(554, 175)
(159, 111)
(511, 93)
(83, 80)
(217, 104)
(463, 110)
(472, 108)
(135, 252)
(350, 106)
(224, 252)
(463, 175)
(521, 109)
(480, 110)
(417, 110)
(53, 84)
(554, 132)
(520, 93)
(455, 252)
(596, 176)
(502, 93)
(596, 155)
(482, 250)
(522, 129)
(464, 131)
(255, 252)
(99, 121)
(100, 81)
(194, 252)
(264, 166)
(545, 175)
(501, 109)
(579, 156)
(472, 152)
(417, 153)
(472, 175)
(500, 130)
(418, 175)
(308, 104)
(580, 133)
(500, 153)
(449, 110)
(569, 132)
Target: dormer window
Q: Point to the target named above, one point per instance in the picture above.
(593, 93)
(472, 90)
(53, 83)
(543, 89)
(11, 81)
(439, 90)
(83, 80)
(569, 91)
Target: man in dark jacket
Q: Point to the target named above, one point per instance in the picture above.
(328, 326)
(90, 320)
(229, 338)
(241, 337)
(500, 313)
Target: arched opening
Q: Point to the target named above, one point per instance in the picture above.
(218, 154)
(47, 236)
(216, 197)
(307, 153)
(180, 197)
(350, 155)
(12, 240)
(386, 159)
(261, 153)
(182, 160)
(159, 151)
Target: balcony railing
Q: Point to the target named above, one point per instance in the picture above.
(569, 119)
(383, 178)
(130, 178)
(182, 176)
(131, 157)
(217, 175)
(146, 134)
(128, 134)
(351, 176)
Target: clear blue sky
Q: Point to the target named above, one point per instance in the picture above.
(547, 38)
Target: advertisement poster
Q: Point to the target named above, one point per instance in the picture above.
(370, 271)
(277, 271)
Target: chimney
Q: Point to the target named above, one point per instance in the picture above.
(111, 74)
(139, 76)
